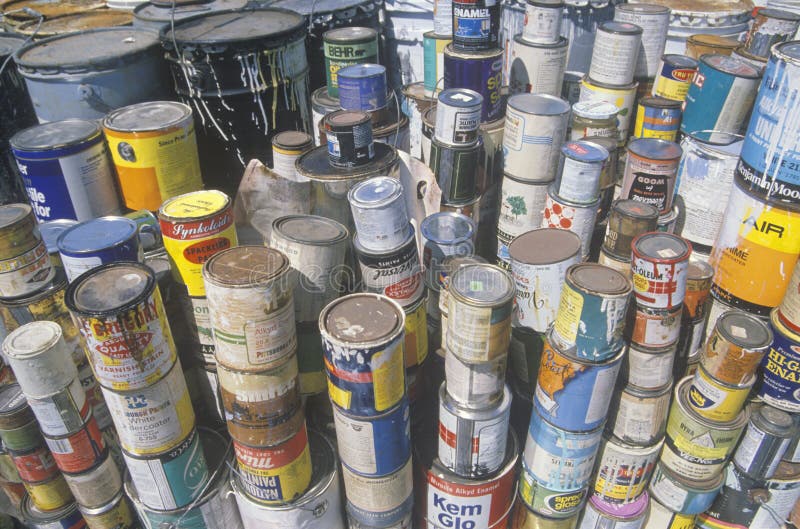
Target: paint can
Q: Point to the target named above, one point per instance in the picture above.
(627, 220)
(783, 491)
(705, 43)
(565, 215)
(18, 427)
(66, 170)
(660, 517)
(764, 443)
(754, 251)
(475, 385)
(770, 27)
(97, 242)
(441, 281)
(602, 514)
(456, 169)
(539, 263)
(363, 347)
(118, 310)
(49, 495)
(657, 117)
(434, 44)
(654, 328)
(287, 146)
(525, 518)
(654, 21)
(789, 309)
(362, 87)
(117, 513)
(578, 176)
(574, 394)
(623, 97)
(542, 23)
(560, 460)
(623, 470)
(33, 465)
(275, 474)
(481, 71)
(379, 213)
(347, 46)
(98, 486)
(415, 102)
(735, 348)
(318, 508)
(79, 450)
(521, 206)
(445, 234)
(590, 320)
(64, 516)
(349, 138)
(554, 504)
(615, 53)
(651, 169)
(659, 264)
(25, 273)
(537, 68)
(639, 416)
(475, 24)
(50, 230)
(61, 411)
(716, 400)
(19, 230)
(720, 96)
(534, 128)
(381, 501)
(647, 368)
(593, 118)
(480, 304)
(682, 496)
(395, 274)
(458, 116)
(674, 76)
(321, 105)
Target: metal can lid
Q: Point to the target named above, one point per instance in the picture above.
(787, 51)
(771, 12)
(538, 104)
(447, 227)
(429, 117)
(773, 420)
(12, 214)
(699, 270)
(482, 285)
(310, 229)
(595, 109)
(363, 318)
(292, 140)
(31, 339)
(346, 118)
(350, 35)
(598, 278)
(12, 400)
(110, 288)
(584, 151)
(635, 209)
(194, 205)
(96, 234)
(51, 229)
(659, 102)
(250, 26)
(245, 265)
(460, 97)
(361, 71)
(55, 134)
(655, 148)
(661, 246)
(148, 116)
(623, 28)
(375, 192)
(544, 246)
(744, 330)
(681, 61)
(730, 65)
(322, 102)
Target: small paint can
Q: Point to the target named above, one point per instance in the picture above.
(658, 118)
(600, 514)
(480, 303)
(253, 398)
(654, 20)
(554, 504)
(78, 451)
(735, 348)
(627, 220)
(458, 116)
(705, 43)
(322, 104)
(363, 339)
(97, 242)
(674, 76)
(154, 148)
(445, 234)
(770, 27)
(471, 442)
(560, 460)
(542, 22)
(680, 495)
(349, 138)
(539, 263)
(651, 168)
(173, 478)
(433, 43)
(25, 273)
(153, 419)
(537, 68)
(580, 402)
(481, 71)
(591, 314)
(62, 411)
(475, 385)
(381, 501)
(18, 427)
(362, 88)
(525, 518)
(534, 130)
(623, 97)
(764, 443)
(475, 24)
(116, 514)
(566, 215)
(578, 176)
(593, 118)
(66, 169)
(615, 52)
(379, 213)
(639, 416)
(287, 147)
(716, 400)
(720, 96)
(659, 264)
(64, 516)
(49, 495)
(649, 369)
(780, 368)
(347, 46)
(654, 328)
(395, 273)
(33, 465)
(456, 170)
(275, 474)
(118, 310)
(97, 486)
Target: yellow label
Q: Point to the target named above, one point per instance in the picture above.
(155, 166)
(312, 383)
(603, 487)
(772, 228)
(640, 283)
(49, 495)
(416, 337)
(196, 205)
(388, 380)
(287, 481)
(339, 396)
(569, 314)
(671, 89)
(119, 516)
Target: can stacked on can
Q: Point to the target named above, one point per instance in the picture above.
(627, 220)
(538, 56)
(344, 47)
(24, 262)
(582, 356)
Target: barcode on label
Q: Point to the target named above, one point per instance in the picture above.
(59, 446)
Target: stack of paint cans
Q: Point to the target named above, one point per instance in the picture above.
(538, 57)
(770, 26)
(363, 341)
(347, 46)
(49, 380)
(535, 128)
(654, 20)
(12, 418)
(659, 115)
(582, 356)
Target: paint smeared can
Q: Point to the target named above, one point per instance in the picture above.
(550, 503)
(656, 327)
(117, 513)
(657, 117)
(475, 385)
(349, 138)
(659, 265)
(624, 471)
(362, 87)
(649, 368)
(265, 397)
(62, 517)
(80, 450)
(770, 27)
(736, 346)
(97, 486)
(445, 234)
(683, 496)
(578, 178)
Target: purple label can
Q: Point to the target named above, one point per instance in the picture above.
(481, 71)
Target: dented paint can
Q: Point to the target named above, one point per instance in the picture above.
(393, 273)
(534, 129)
(623, 471)
(639, 416)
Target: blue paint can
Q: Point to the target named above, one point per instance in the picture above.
(770, 161)
(481, 71)
(720, 96)
(97, 242)
(780, 368)
(571, 393)
(362, 87)
(67, 170)
(174, 478)
(475, 24)
(376, 446)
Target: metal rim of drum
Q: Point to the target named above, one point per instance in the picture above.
(704, 139)
(279, 223)
(537, 247)
(387, 336)
(71, 295)
(260, 256)
(716, 62)
(17, 141)
(184, 118)
(648, 9)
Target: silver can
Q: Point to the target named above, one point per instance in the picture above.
(379, 213)
(542, 23)
(615, 53)
(579, 171)
(654, 21)
(521, 206)
(458, 116)
(445, 234)
(535, 128)
(537, 68)
(394, 273)
(475, 385)
(639, 416)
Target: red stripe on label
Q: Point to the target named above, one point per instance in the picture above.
(279, 456)
(447, 436)
(348, 376)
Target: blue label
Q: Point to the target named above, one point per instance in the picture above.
(705, 99)
(365, 93)
(391, 439)
(661, 119)
(473, 28)
(47, 189)
(780, 367)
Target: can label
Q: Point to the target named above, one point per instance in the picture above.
(780, 368)
(457, 125)
(377, 446)
(258, 343)
(381, 501)
(537, 69)
(350, 148)
(63, 412)
(656, 327)
(661, 517)
(472, 447)
(623, 99)
(529, 137)
(655, 122)
(455, 171)
(649, 369)
(474, 385)
(36, 465)
(521, 207)
(579, 180)
(119, 516)
(555, 504)
(396, 275)
(478, 334)
(538, 293)
(640, 420)
(623, 473)
(542, 23)
(487, 503)
(475, 23)
(579, 219)
(650, 181)
(434, 60)
(750, 448)
(789, 309)
(26, 273)
(482, 74)
(614, 57)
(79, 451)
(659, 285)
(715, 401)
(340, 55)
(672, 82)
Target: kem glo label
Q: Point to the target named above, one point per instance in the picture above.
(458, 512)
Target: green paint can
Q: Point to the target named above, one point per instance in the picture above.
(346, 47)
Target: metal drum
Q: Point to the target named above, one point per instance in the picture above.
(244, 90)
(158, 15)
(85, 75)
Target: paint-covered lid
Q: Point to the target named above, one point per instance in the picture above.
(251, 25)
(10, 43)
(194, 205)
(348, 35)
(584, 151)
(482, 285)
(538, 104)
(292, 140)
(622, 28)
(661, 247)
(110, 288)
(245, 265)
(83, 21)
(31, 339)
(545, 246)
(96, 234)
(375, 192)
(91, 50)
(655, 148)
(635, 209)
(599, 279)
(731, 65)
(595, 109)
(55, 134)
(744, 330)
(151, 115)
(460, 97)
(447, 227)
(51, 230)
(699, 270)
(362, 318)
(309, 229)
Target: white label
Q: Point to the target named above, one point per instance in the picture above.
(59, 446)
(471, 382)
(654, 36)
(469, 329)
(668, 493)
(614, 58)
(600, 399)
(647, 370)
(640, 420)
(532, 138)
(356, 443)
(60, 414)
(538, 293)
(521, 206)
(542, 24)
(738, 332)
(150, 479)
(75, 266)
(487, 443)
(271, 338)
(580, 181)
(555, 470)
(381, 494)
(283, 164)
(662, 332)
(748, 447)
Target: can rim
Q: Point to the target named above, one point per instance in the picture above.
(185, 117)
(164, 216)
(103, 509)
(717, 62)
(681, 401)
(450, 51)
(363, 35)
(390, 336)
(42, 348)
(343, 232)
(95, 132)
(70, 296)
(39, 516)
(507, 297)
(260, 273)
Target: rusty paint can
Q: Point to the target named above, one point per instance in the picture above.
(49, 495)
(654, 328)
(639, 416)
(651, 169)
(660, 262)
(97, 486)
(735, 348)
(79, 451)
(255, 398)
(704, 43)
(649, 368)
(116, 514)
(627, 220)
(34, 465)
(698, 288)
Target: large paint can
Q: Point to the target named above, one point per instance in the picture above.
(537, 68)
(481, 71)
(87, 74)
